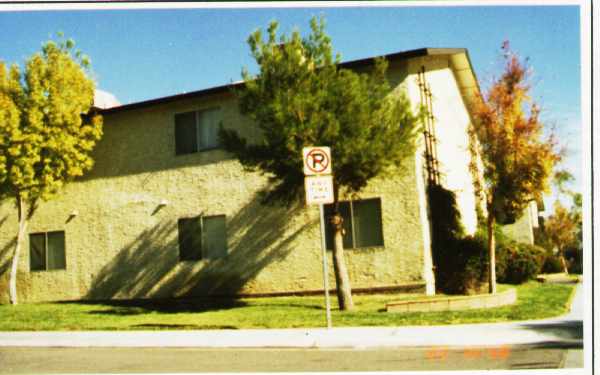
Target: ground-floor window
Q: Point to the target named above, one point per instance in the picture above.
(202, 237)
(362, 223)
(47, 251)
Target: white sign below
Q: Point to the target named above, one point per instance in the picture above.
(319, 189)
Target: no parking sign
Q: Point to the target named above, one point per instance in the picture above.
(318, 183)
(317, 160)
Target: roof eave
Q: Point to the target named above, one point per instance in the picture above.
(405, 55)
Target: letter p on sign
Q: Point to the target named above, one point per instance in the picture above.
(317, 160)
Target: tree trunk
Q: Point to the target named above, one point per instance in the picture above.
(563, 262)
(343, 289)
(22, 216)
(492, 253)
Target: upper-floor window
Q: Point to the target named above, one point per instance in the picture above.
(196, 131)
(362, 223)
(47, 251)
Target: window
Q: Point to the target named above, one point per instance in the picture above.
(47, 251)
(202, 237)
(196, 131)
(362, 224)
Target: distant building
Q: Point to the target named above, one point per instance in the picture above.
(105, 100)
(523, 229)
(166, 213)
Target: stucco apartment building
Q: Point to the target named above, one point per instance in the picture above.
(166, 213)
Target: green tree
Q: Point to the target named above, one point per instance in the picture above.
(562, 229)
(301, 97)
(46, 131)
(517, 160)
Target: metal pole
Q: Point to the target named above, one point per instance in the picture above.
(325, 268)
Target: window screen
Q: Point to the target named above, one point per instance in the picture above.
(366, 220)
(56, 250)
(208, 129)
(215, 237)
(362, 224)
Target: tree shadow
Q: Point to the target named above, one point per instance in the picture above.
(6, 253)
(126, 307)
(149, 266)
(182, 326)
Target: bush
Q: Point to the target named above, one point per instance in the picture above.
(518, 262)
(552, 264)
(460, 262)
(464, 267)
(574, 258)
(475, 254)
(538, 252)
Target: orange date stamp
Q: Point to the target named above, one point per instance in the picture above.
(441, 353)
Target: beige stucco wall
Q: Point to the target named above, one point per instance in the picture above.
(451, 121)
(522, 229)
(122, 245)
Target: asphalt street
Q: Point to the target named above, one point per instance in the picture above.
(177, 360)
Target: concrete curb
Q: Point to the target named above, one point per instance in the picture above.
(363, 337)
(569, 301)
(453, 303)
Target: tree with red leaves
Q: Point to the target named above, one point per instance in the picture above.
(517, 160)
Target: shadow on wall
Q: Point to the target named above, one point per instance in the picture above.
(139, 266)
(5, 260)
(6, 255)
(109, 163)
(149, 266)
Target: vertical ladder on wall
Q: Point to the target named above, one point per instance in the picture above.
(431, 159)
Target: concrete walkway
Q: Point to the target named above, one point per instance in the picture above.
(565, 330)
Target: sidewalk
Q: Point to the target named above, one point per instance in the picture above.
(567, 329)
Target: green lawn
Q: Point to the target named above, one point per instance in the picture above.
(535, 301)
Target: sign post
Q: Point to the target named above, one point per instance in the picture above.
(325, 268)
(318, 185)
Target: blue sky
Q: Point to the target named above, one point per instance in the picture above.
(147, 53)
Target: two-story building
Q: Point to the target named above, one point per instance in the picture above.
(166, 213)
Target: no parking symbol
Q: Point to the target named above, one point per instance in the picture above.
(317, 160)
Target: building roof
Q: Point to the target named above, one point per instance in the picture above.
(459, 57)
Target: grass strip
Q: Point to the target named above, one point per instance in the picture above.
(535, 301)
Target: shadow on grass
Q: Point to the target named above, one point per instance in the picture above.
(143, 306)
(182, 326)
(188, 305)
(308, 306)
